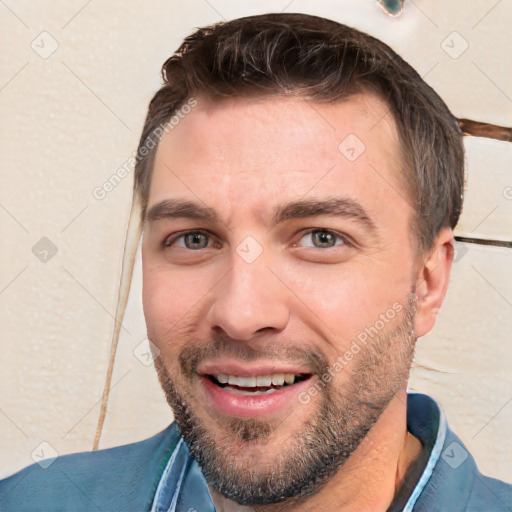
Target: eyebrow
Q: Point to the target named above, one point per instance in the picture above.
(179, 208)
(341, 207)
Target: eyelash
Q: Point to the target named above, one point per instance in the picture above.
(338, 236)
(171, 240)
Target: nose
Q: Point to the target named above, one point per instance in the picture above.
(249, 300)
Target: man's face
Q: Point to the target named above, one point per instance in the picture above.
(271, 252)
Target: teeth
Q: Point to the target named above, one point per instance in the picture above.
(245, 382)
(276, 379)
(265, 380)
(289, 378)
(251, 393)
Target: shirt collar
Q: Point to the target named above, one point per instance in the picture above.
(434, 429)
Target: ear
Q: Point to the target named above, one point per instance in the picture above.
(432, 281)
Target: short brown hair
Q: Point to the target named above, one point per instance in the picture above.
(321, 60)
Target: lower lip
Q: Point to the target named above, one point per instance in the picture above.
(236, 404)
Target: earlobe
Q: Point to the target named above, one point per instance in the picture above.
(432, 281)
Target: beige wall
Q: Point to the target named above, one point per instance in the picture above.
(71, 118)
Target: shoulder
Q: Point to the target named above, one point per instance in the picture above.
(451, 479)
(118, 478)
(490, 494)
(457, 484)
(462, 484)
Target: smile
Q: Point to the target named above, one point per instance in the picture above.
(256, 385)
(253, 395)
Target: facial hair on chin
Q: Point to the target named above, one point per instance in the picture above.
(301, 463)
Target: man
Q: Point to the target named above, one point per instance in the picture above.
(297, 218)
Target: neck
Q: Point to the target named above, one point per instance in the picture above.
(367, 481)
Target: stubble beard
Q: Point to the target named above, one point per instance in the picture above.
(237, 464)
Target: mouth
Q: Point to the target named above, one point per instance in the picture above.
(256, 385)
(253, 393)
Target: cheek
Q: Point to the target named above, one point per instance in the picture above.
(345, 300)
(169, 299)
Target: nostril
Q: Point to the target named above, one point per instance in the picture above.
(266, 329)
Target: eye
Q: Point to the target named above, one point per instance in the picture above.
(192, 240)
(321, 239)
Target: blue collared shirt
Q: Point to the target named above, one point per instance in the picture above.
(449, 480)
(159, 474)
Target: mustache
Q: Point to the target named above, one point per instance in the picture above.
(194, 353)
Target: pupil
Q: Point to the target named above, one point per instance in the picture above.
(323, 238)
(195, 240)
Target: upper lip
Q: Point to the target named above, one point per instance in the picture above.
(245, 369)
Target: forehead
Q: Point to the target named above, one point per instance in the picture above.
(238, 153)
